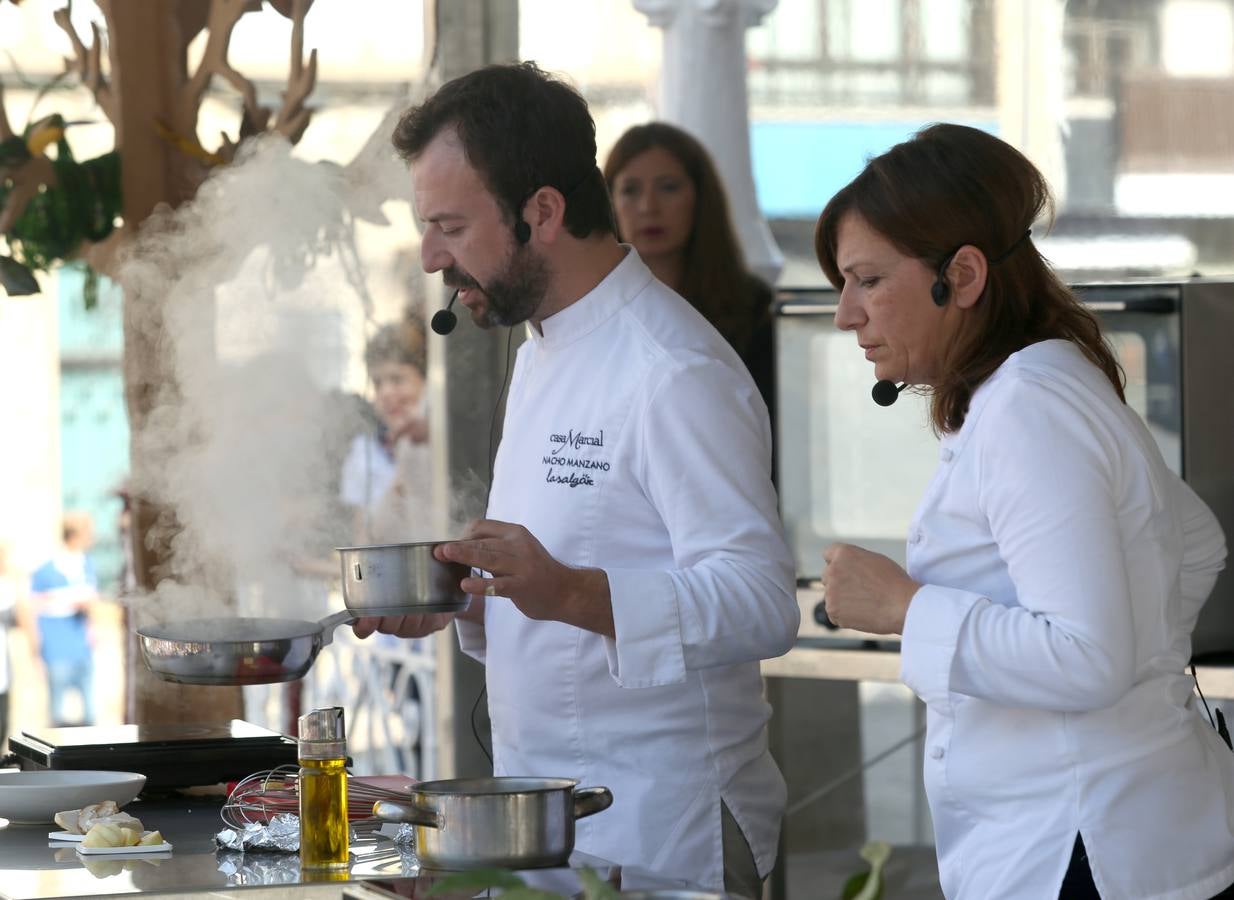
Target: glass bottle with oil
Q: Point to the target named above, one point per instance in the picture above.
(323, 790)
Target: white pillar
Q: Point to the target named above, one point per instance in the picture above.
(703, 90)
(1031, 93)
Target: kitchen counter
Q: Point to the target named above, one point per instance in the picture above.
(34, 868)
(838, 654)
(850, 660)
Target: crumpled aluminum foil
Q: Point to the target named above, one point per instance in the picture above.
(282, 833)
(259, 868)
(403, 833)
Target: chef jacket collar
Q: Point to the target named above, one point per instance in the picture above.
(955, 441)
(588, 312)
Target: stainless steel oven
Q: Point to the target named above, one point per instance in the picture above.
(852, 471)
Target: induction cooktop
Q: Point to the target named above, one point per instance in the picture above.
(170, 755)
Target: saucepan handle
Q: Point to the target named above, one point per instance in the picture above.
(409, 813)
(591, 800)
(333, 621)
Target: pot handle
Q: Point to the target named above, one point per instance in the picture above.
(406, 813)
(591, 800)
(333, 621)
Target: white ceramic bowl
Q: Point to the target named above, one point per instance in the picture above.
(34, 798)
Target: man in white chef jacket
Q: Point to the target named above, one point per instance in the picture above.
(637, 567)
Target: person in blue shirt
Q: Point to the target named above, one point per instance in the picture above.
(63, 590)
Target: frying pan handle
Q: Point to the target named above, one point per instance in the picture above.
(333, 621)
(409, 813)
(591, 800)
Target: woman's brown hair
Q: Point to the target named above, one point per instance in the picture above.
(951, 185)
(714, 277)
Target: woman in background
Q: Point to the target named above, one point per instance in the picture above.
(1056, 566)
(671, 207)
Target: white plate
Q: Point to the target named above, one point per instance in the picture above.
(34, 798)
(68, 837)
(117, 851)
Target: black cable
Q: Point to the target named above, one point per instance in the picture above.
(492, 436)
(475, 729)
(1219, 725)
(1196, 679)
(492, 425)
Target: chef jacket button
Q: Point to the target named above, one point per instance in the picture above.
(946, 455)
(915, 537)
(936, 753)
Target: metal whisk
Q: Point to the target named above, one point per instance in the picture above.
(259, 797)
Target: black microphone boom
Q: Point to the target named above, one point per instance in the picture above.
(443, 320)
(886, 392)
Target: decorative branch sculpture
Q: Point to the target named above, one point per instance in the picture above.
(294, 115)
(33, 213)
(88, 62)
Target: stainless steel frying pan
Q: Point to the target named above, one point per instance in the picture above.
(236, 651)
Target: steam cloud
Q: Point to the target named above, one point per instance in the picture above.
(258, 287)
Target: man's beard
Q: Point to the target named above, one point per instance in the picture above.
(512, 296)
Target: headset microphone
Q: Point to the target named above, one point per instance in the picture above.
(443, 320)
(886, 392)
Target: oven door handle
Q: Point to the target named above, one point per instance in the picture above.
(1159, 305)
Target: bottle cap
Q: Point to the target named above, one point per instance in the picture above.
(323, 734)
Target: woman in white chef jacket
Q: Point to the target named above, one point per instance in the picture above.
(1056, 566)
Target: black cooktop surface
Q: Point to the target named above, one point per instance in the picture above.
(169, 755)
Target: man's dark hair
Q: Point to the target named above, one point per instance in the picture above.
(521, 130)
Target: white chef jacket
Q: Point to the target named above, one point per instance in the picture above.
(636, 442)
(1063, 567)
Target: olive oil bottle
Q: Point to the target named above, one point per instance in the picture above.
(323, 790)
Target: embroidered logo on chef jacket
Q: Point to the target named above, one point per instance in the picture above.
(575, 458)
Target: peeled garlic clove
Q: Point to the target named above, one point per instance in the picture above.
(94, 812)
(68, 821)
(103, 835)
(123, 820)
(151, 838)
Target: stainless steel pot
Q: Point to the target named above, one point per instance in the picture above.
(236, 651)
(516, 823)
(400, 580)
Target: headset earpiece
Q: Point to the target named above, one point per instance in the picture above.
(522, 231)
(940, 289)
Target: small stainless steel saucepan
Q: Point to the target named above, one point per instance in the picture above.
(236, 651)
(517, 823)
(400, 580)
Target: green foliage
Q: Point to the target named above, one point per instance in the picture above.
(868, 885)
(13, 151)
(855, 885)
(82, 205)
(476, 880)
(596, 888)
(513, 888)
